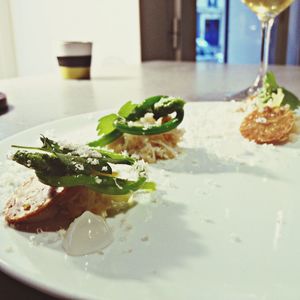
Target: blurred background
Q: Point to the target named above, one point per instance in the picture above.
(132, 31)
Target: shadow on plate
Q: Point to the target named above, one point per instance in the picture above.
(199, 161)
(150, 240)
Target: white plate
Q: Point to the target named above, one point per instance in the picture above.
(224, 225)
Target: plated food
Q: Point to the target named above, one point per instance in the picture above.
(174, 234)
(101, 177)
(69, 180)
(272, 118)
(270, 126)
(147, 130)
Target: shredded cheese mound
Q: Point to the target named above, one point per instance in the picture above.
(150, 148)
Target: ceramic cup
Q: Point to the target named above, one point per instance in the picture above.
(74, 59)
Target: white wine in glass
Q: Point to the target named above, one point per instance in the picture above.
(266, 11)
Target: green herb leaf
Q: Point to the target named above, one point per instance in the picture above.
(106, 124)
(270, 81)
(290, 99)
(127, 109)
(271, 88)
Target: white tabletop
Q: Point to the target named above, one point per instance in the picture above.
(36, 100)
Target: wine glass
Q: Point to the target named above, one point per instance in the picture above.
(266, 11)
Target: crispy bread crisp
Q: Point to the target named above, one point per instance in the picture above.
(35, 207)
(38, 207)
(271, 126)
(29, 200)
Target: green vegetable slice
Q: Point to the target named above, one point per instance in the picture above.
(116, 125)
(100, 184)
(123, 126)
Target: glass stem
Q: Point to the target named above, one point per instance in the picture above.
(266, 26)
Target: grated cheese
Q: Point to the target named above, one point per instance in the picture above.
(261, 120)
(81, 150)
(98, 180)
(150, 148)
(79, 167)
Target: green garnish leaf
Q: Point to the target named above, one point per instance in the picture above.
(106, 124)
(272, 94)
(127, 109)
(270, 81)
(290, 99)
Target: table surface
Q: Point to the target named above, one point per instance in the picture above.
(36, 100)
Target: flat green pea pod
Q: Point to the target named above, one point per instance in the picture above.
(100, 184)
(113, 126)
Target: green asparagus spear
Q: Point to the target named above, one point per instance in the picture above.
(66, 166)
